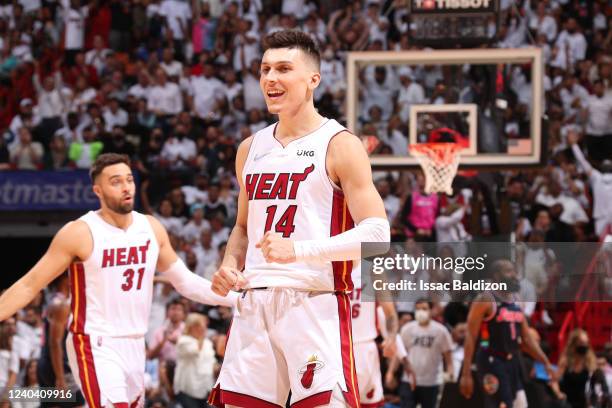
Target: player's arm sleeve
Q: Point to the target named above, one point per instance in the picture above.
(581, 159)
(196, 288)
(347, 245)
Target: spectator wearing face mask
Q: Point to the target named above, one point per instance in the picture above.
(577, 366)
(428, 343)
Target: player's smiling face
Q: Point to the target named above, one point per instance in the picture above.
(115, 187)
(287, 79)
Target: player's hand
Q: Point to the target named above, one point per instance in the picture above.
(226, 279)
(466, 385)
(389, 347)
(276, 248)
(411, 377)
(390, 380)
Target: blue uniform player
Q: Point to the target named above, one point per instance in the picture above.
(496, 325)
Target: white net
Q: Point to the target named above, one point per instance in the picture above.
(439, 162)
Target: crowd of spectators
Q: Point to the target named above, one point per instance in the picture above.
(174, 85)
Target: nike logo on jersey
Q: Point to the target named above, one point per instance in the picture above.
(261, 156)
(271, 186)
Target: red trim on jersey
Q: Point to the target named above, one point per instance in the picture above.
(79, 300)
(244, 400)
(214, 398)
(135, 403)
(315, 400)
(87, 369)
(121, 405)
(373, 405)
(376, 322)
(341, 221)
(346, 347)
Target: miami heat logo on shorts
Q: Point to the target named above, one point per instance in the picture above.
(307, 371)
(490, 383)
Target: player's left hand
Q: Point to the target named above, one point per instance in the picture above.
(389, 347)
(277, 249)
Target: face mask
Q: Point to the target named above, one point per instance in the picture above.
(512, 284)
(582, 350)
(421, 316)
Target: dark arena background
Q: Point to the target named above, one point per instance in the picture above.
(506, 105)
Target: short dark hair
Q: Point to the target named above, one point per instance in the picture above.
(293, 39)
(424, 300)
(105, 160)
(175, 301)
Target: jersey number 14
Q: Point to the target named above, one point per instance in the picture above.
(285, 224)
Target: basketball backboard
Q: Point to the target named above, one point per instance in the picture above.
(491, 99)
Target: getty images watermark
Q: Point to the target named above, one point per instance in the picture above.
(406, 263)
(542, 271)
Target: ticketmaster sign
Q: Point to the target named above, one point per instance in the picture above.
(46, 190)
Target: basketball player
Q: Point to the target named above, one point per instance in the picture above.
(365, 330)
(53, 369)
(498, 323)
(601, 183)
(306, 203)
(113, 254)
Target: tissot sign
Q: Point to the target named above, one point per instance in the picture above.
(443, 6)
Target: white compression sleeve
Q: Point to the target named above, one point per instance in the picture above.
(581, 159)
(195, 287)
(344, 246)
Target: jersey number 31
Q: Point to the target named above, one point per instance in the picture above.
(129, 279)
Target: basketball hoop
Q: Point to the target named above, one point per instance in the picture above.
(439, 162)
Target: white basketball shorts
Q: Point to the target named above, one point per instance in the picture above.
(284, 339)
(109, 370)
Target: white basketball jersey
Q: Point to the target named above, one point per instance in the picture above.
(290, 193)
(364, 314)
(112, 290)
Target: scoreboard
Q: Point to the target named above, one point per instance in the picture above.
(453, 23)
